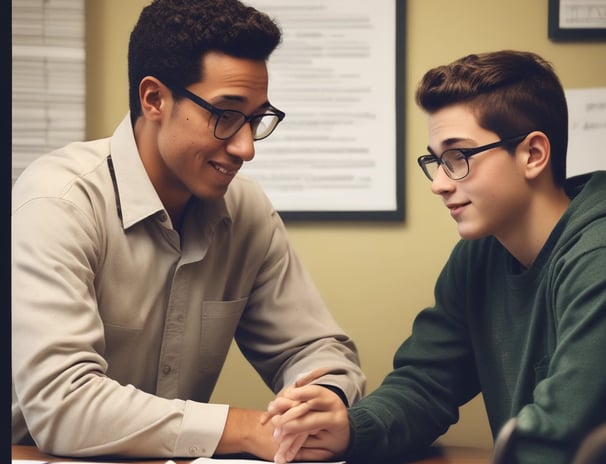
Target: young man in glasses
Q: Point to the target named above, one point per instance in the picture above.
(137, 259)
(520, 306)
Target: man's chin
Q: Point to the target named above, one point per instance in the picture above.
(467, 233)
(211, 193)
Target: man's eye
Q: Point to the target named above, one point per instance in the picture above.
(457, 155)
(228, 116)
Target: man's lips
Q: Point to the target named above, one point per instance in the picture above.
(228, 170)
(456, 208)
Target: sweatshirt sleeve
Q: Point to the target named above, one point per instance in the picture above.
(434, 373)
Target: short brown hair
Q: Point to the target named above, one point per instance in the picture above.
(512, 92)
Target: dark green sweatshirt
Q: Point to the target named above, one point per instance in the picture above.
(533, 342)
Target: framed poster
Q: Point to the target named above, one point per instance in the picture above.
(586, 130)
(577, 19)
(339, 76)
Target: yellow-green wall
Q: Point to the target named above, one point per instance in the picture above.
(374, 276)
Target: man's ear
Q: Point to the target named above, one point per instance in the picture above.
(152, 94)
(538, 154)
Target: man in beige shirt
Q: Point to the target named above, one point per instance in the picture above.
(138, 258)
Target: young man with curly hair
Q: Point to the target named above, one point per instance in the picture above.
(138, 258)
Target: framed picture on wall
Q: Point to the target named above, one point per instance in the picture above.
(339, 77)
(577, 20)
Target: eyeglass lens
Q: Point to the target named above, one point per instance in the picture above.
(230, 122)
(453, 161)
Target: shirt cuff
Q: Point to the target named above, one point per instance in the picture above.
(338, 392)
(201, 429)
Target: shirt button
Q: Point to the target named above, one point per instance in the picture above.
(166, 369)
(194, 451)
(162, 216)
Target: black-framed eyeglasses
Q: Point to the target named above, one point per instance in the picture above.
(229, 122)
(455, 161)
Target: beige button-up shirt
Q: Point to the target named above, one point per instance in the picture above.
(120, 326)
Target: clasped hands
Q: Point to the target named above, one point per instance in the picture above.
(310, 422)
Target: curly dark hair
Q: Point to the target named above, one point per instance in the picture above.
(171, 37)
(512, 92)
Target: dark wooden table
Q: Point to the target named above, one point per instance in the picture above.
(442, 455)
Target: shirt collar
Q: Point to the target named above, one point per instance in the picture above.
(136, 194)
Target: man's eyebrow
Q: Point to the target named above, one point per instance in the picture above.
(449, 144)
(240, 99)
(235, 98)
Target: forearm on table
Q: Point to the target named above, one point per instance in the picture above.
(244, 432)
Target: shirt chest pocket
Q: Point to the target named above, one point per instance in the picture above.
(218, 325)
